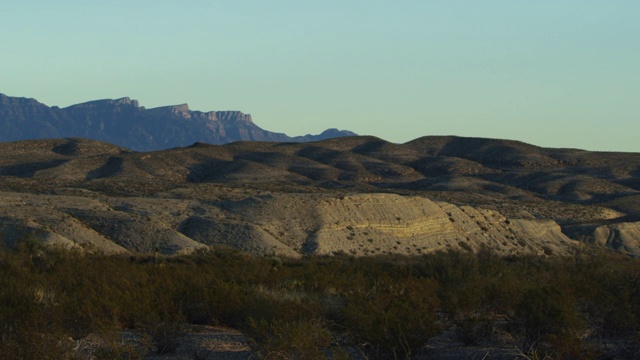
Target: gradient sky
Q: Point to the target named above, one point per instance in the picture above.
(552, 73)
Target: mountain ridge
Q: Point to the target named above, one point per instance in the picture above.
(125, 123)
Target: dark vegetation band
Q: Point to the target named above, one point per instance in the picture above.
(318, 307)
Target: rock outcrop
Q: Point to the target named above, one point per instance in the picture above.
(623, 237)
(283, 224)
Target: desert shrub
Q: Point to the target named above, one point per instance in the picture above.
(391, 305)
(275, 261)
(197, 302)
(25, 343)
(100, 293)
(29, 322)
(449, 267)
(229, 301)
(166, 335)
(549, 314)
(394, 319)
(608, 286)
(301, 339)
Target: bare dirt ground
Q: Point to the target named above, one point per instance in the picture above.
(197, 342)
(209, 342)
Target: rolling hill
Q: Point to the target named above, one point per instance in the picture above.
(358, 195)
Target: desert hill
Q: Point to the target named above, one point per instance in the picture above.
(125, 123)
(357, 195)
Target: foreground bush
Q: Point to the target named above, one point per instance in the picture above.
(393, 319)
(386, 307)
(308, 339)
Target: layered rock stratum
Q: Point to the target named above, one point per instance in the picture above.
(361, 196)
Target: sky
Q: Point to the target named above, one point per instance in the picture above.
(551, 73)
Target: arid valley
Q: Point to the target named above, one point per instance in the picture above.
(289, 237)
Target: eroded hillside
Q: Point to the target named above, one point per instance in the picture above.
(358, 195)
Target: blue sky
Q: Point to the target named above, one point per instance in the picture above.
(551, 73)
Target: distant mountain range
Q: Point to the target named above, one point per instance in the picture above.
(125, 123)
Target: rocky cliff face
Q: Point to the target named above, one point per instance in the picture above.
(125, 123)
